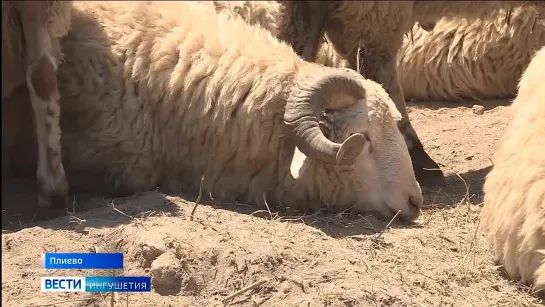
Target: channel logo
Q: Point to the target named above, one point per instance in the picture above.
(84, 261)
(96, 284)
(62, 284)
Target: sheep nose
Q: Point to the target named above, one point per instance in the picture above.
(416, 201)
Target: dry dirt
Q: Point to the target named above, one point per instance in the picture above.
(317, 260)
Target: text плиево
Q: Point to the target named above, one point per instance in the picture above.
(82, 261)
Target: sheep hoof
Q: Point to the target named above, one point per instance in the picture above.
(351, 148)
(427, 172)
(54, 201)
(430, 178)
(52, 198)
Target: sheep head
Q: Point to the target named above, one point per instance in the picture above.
(348, 145)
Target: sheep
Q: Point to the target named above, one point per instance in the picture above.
(464, 59)
(164, 94)
(477, 41)
(513, 214)
(268, 15)
(368, 34)
(30, 55)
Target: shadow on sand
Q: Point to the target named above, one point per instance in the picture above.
(466, 186)
(19, 208)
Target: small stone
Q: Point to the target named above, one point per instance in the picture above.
(166, 273)
(150, 252)
(285, 287)
(477, 109)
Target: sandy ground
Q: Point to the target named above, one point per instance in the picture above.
(317, 260)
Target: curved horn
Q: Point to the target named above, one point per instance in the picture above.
(308, 99)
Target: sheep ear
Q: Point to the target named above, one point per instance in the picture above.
(299, 164)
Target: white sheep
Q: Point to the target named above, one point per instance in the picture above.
(513, 216)
(30, 55)
(160, 94)
(464, 59)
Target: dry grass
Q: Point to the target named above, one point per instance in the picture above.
(317, 259)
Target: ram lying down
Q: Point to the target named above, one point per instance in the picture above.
(161, 94)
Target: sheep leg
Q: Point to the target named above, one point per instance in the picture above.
(427, 172)
(44, 96)
(381, 67)
(378, 63)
